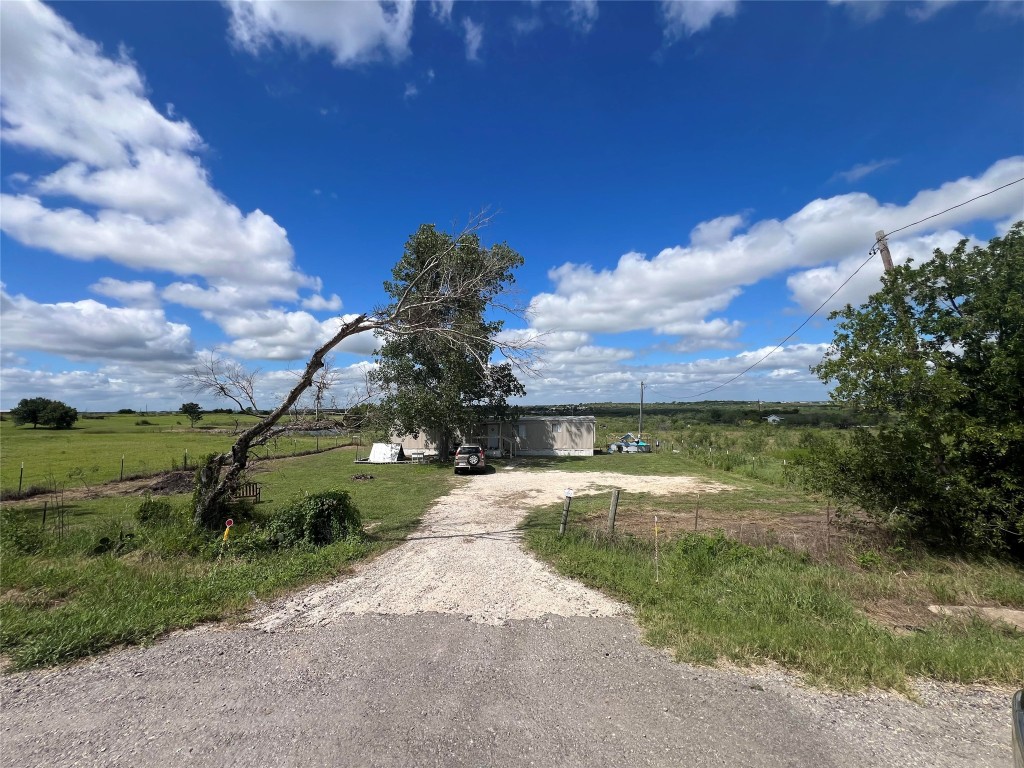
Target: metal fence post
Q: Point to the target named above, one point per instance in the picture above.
(565, 511)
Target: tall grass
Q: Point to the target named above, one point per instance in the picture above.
(65, 607)
(714, 598)
(70, 596)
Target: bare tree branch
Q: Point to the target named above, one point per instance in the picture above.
(224, 378)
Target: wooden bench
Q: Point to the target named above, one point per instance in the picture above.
(248, 491)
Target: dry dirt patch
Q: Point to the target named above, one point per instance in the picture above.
(467, 558)
(164, 484)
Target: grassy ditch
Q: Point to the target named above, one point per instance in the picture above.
(714, 598)
(65, 594)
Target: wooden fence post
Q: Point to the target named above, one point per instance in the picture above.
(656, 573)
(828, 528)
(611, 512)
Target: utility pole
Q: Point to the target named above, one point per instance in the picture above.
(640, 436)
(883, 246)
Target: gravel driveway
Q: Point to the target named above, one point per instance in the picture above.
(459, 649)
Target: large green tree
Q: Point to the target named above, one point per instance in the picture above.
(940, 350)
(436, 371)
(41, 410)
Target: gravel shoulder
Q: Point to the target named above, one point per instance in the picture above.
(458, 649)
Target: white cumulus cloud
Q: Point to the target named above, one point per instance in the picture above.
(317, 303)
(681, 289)
(809, 288)
(62, 95)
(683, 18)
(131, 191)
(353, 32)
(82, 330)
(134, 293)
(279, 335)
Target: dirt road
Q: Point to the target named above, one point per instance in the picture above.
(458, 648)
(466, 558)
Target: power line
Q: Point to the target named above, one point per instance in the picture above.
(871, 254)
(954, 207)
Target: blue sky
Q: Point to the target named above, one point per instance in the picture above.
(685, 181)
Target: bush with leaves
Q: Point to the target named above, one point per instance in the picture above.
(20, 534)
(154, 511)
(316, 519)
(940, 349)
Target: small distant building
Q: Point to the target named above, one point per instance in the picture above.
(526, 436)
(773, 419)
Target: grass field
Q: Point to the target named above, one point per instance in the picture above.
(761, 572)
(91, 452)
(61, 600)
(846, 608)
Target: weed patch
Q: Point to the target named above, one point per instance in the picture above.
(127, 571)
(714, 598)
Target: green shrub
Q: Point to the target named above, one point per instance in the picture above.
(19, 534)
(869, 560)
(154, 511)
(316, 519)
(145, 423)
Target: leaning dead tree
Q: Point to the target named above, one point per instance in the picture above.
(428, 288)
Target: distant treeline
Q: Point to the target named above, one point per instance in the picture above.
(675, 415)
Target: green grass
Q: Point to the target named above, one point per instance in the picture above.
(717, 599)
(60, 601)
(90, 453)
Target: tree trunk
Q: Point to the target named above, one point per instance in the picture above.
(210, 495)
(214, 486)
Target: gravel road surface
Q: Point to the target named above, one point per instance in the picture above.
(458, 649)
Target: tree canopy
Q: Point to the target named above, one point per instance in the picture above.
(40, 410)
(939, 349)
(435, 369)
(194, 412)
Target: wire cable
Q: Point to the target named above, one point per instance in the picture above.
(953, 207)
(871, 254)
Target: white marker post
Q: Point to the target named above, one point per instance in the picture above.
(565, 511)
